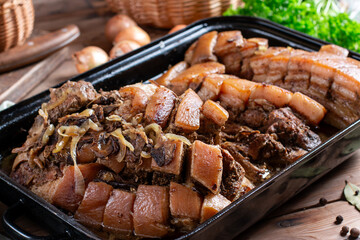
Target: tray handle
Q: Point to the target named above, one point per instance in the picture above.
(15, 232)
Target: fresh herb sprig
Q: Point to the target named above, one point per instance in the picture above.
(318, 18)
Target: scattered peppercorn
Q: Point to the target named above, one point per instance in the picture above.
(344, 231)
(356, 192)
(323, 201)
(354, 232)
(339, 219)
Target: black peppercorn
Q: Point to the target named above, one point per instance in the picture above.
(339, 219)
(344, 230)
(354, 232)
(323, 201)
(356, 193)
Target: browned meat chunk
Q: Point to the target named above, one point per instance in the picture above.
(188, 113)
(118, 212)
(69, 98)
(228, 42)
(92, 207)
(172, 73)
(65, 195)
(193, 76)
(151, 211)
(160, 105)
(211, 86)
(212, 205)
(334, 49)
(203, 51)
(233, 175)
(215, 112)
(185, 206)
(206, 165)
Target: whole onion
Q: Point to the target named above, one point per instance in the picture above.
(133, 33)
(89, 58)
(177, 28)
(116, 24)
(122, 48)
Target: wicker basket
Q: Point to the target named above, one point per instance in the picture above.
(16, 22)
(168, 13)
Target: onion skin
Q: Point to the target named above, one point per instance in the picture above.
(116, 24)
(122, 48)
(89, 58)
(133, 33)
(177, 28)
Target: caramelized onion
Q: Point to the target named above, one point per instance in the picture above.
(145, 154)
(48, 132)
(118, 134)
(61, 144)
(86, 113)
(44, 114)
(153, 127)
(178, 137)
(114, 118)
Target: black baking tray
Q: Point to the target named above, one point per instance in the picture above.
(147, 63)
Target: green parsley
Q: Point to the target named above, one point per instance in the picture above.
(318, 18)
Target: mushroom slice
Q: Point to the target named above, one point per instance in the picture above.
(151, 211)
(203, 51)
(92, 207)
(118, 212)
(188, 113)
(206, 165)
(213, 203)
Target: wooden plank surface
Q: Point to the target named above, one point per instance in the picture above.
(300, 218)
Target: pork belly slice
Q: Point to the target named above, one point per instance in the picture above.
(160, 106)
(228, 41)
(275, 95)
(235, 93)
(69, 98)
(233, 175)
(232, 62)
(206, 166)
(213, 203)
(185, 206)
(188, 113)
(167, 158)
(136, 98)
(211, 86)
(260, 62)
(190, 52)
(113, 162)
(334, 49)
(251, 46)
(118, 214)
(172, 73)
(91, 210)
(313, 111)
(215, 112)
(193, 76)
(346, 84)
(151, 211)
(65, 195)
(204, 49)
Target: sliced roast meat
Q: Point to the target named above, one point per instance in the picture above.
(92, 207)
(204, 49)
(151, 211)
(188, 113)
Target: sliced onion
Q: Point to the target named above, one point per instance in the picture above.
(86, 113)
(114, 118)
(44, 114)
(153, 127)
(61, 144)
(118, 134)
(178, 137)
(48, 132)
(121, 153)
(145, 154)
(68, 131)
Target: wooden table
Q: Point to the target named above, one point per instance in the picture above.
(300, 218)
